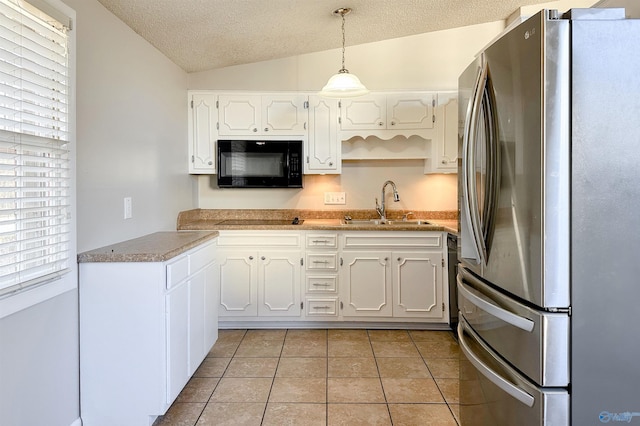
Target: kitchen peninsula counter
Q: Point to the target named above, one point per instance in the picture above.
(214, 219)
(156, 247)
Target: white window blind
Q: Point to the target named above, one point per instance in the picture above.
(35, 173)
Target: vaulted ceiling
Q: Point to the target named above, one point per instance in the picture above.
(205, 34)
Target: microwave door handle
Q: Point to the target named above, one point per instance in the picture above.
(491, 375)
(468, 167)
(506, 316)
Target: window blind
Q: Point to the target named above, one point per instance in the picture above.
(35, 173)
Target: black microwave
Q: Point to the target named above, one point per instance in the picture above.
(260, 163)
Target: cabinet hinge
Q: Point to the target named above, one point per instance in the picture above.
(442, 306)
(442, 262)
(307, 159)
(341, 261)
(191, 103)
(433, 118)
(193, 159)
(339, 104)
(306, 104)
(217, 104)
(301, 262)
(301, 305)
(218, 126)
(341, 305)
(339, 120)
(305, 125)
(433, 103)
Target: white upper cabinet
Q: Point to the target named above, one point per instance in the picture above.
(323, 148)
(386, 115)
(444, 153)
(273, 114)
(203, 117)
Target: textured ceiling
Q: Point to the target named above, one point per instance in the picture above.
(205, 34)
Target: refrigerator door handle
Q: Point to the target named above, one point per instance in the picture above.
(506, 316)
(492, 376)
(468, 164)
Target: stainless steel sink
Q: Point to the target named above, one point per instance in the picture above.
(398, 222)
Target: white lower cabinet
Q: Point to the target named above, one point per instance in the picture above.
(366, 284)
(260, 274)
(418, 285)
(144, 329)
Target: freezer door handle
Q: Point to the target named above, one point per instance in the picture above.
(475, 298)
(496, 379)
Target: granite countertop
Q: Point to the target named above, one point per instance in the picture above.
(203, 219)
(156, 247)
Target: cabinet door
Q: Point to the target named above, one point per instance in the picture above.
(238, 283)
(445, 146)
(197, 350)
(410, 111)
(323, 153)
(203, 134)
(239, 115)
(279, 283)
(284, 115)
(177, 323)
(417, 285)
(211, 303)
(366, 284)
(365, 112)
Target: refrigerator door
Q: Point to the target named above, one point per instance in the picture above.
(494, 394)
(508, 326)
(525, 224)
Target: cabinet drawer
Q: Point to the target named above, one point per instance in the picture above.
(201, 258)
(322, 261)
(177, 271)
(322, 283)
(322, 307)
(419, 240)
(322, 241)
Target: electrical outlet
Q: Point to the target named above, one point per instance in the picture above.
(335, 198)
(128, 211)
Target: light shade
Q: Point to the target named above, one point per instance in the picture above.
(343, 85)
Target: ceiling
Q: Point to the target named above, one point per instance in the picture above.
(200, 35)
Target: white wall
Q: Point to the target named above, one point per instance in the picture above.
(132, 132)
(431, 61)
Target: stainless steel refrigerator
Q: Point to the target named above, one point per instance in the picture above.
(549, 274)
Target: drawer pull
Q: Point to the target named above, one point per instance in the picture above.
(320, 241)
(322, 307)
(324, 262)
(321, 284)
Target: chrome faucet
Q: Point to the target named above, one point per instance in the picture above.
(396, 197)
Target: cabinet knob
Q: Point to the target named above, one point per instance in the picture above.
(210, 163)
(263, 258)
(331, 163)
(266, 129)
(380, 123)
(255, 129)
(386, 258)
(393, 123)
(399, 259)
(250, 257)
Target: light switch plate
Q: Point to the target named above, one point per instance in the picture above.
(335, 198)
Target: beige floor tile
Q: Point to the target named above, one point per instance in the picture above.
(222, 349)
(302, 348)
(411, 391)
(181, 414)
(198, 389)
(455, 409)
(430, 350)
(432, 336)
(357, 390)
(306, 335)
(232, 414)
(349, 335)
(351, 349)
(389, 336)
(259, 348)
(421, 414)
(279, 414)
(444, 368)
(450, 388)
(358, 415)
(212, 367)
(231, 335)
(252, 367)
(403, 368)
(295, 389)
(395, 349)
(352, 367)
(274, 335)
(236, 389)
(302, 367)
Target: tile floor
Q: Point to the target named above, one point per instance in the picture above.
(323, 377)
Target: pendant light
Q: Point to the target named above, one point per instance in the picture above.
(343, 84)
